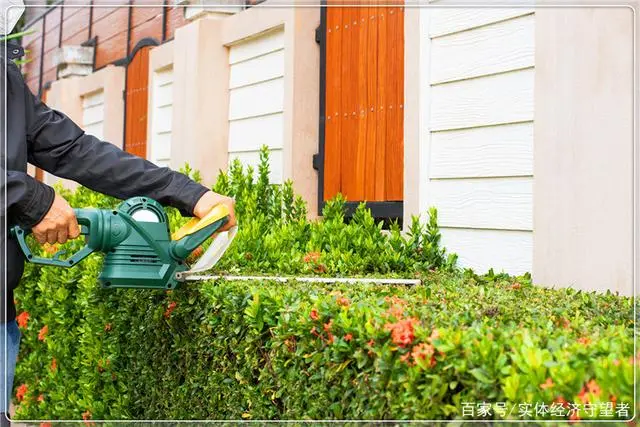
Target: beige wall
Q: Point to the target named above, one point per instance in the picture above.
(583, 228)
(201, 91)
(66, 96)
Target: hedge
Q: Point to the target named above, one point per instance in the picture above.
(263, 350)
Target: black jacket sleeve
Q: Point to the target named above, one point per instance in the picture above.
(59, 146)
(27, 200)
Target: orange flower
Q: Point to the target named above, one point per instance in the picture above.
(41, 398)
(547, 384)
(21, 392)
(434, 335)
(314, 332)
(593, 388)
(45, 425)
(584, 340)
(330, 338)
(320, 268)
(561, 400)
(107, 327)
(371, 343)
(583, 395)
(405, 358)
(396, 311)
(401, 332)
(170, 308)
(574, 417)
(613, 400)
(327, 326)
(616, 362)
(422, 352)
(343, 301)
(87, 416)
(312, 257)
(565, 323)
(516, 285)
(54, 365)
(23, 319)
(43, 332)
(314, 314)
(348, 337)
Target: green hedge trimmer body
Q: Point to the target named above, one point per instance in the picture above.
(139, 249)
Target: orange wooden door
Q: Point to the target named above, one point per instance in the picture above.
(136, 103)
(364, 96)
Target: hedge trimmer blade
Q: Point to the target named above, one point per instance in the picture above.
(222, 242)
(212, 255)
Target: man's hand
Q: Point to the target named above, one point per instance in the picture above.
(209, 200)
(58, 225)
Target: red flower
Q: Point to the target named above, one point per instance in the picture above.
(547, 384)
(41, 398)
(107, 327)
(54, 365)
(45, 425)
(348, 337)
(311, 257)
(574, 417)
(21, 392)
(23, 319)
(371, 343)
(401, 332)
(43, 332)
(593, 388)
(170, 308)
(314, 314)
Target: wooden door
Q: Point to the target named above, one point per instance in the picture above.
(364, 96)
(136, 103)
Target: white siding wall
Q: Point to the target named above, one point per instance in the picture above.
(256, 100)
(478, 110)
(93, 114)
(162, 98)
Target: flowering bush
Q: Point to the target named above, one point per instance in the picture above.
(457, 346)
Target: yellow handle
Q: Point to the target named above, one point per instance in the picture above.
(195, 224)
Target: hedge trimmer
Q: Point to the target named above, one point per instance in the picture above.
(141, 252)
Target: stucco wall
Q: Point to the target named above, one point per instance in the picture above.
(583, 208)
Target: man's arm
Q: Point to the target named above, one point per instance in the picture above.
(59, 146)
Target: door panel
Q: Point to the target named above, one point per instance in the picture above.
(364, 81)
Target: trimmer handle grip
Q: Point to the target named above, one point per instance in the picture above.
(197, 231)
(89, 221)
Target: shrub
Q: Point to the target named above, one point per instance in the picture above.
(265, 350)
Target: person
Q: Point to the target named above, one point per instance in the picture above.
(50, 140)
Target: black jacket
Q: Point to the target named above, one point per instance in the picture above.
(51, 141)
